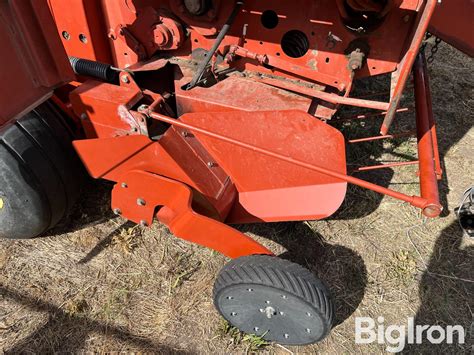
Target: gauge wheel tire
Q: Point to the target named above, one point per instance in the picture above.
(40, 174)
(275, 299)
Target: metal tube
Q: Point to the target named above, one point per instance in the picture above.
(428, 180)
(413, 200)
(434, 135)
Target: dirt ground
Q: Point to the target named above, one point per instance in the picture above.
(98, 284)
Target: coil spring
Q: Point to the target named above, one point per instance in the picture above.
(95, 69)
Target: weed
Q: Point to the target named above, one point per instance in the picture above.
(251, 342)
(127, 240)
(402, 267)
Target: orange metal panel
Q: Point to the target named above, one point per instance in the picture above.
(80, 23)
(33, 61)
(453, 22)
(271, 189)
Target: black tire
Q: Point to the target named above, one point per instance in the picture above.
(274, 298)
(40, 173)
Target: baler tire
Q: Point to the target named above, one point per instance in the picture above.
(295, 296)
(40, 174)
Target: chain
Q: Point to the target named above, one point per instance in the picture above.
(434, 49)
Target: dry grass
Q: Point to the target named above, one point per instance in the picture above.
(99, 284)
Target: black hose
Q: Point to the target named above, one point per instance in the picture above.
(208, 56)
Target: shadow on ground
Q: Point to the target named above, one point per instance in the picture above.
(340, 268)
(446, 290)
(65, 333)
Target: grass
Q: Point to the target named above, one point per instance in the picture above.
(98, 284)
(251, 342)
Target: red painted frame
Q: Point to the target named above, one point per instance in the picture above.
(245, 146)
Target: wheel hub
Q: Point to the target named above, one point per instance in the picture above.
(273, 314)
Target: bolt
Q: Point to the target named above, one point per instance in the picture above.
(117, 211)
(308, 330)
(211, 164)
(66, 35)
(256, 329)
(124, 185)
(269, 312)
(143, 108)
(143, 223)
(125, 79)
(84, 116)
(287, 336)
(406, 18)
(141, 202)
(185, 134)
(233, 314)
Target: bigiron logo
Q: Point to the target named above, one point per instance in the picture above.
(396, 337)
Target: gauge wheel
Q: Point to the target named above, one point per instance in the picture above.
(275, 299)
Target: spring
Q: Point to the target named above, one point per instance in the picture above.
(95, 69)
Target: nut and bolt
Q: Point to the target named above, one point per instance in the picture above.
(141, 202)
(125, 79)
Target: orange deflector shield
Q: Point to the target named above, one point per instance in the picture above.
(270, 189)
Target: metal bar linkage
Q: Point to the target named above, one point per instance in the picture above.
(407, 63)
(430, 209)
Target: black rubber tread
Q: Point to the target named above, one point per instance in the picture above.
(41, 175)
(280, 274)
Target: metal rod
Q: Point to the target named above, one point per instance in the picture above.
(376, 138)
(326, 96)
(385, 166)
(428, 179)
(413, 200)
(407, 63)
(369, 115)
(223, 32)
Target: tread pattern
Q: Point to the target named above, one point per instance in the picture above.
(281, 274)
(44, 182)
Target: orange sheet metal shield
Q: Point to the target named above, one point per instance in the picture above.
(271, 189)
